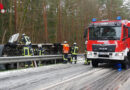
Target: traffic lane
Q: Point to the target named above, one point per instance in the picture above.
(47, 80)
(105, 79)
(77, 83)
(23, 72)
(41, 85)
(111, 81)
(55, 84)
(40, 78)
(17, 80)
(15, 73)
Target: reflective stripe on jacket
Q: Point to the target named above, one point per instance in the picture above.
(27, 40)
(41, 51)
(64, 58)
(26, 51)
(74, 50)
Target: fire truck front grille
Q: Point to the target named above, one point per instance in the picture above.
(103, 48)
(103, 55)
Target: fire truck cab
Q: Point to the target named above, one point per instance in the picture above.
(108, 41)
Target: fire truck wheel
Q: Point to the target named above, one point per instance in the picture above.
(126, 63)
(94, 63)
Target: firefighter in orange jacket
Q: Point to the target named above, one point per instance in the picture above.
(66, 49)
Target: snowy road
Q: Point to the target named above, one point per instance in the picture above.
(65, 77)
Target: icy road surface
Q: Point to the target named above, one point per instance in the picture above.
(66, 77)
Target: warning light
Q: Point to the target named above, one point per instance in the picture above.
(2, 10)
(94, 20)
(119, 18)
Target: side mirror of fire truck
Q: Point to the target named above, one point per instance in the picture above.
(125, 26)
(86, 42)
(85, 33)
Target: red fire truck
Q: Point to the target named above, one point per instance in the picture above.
(108, 41)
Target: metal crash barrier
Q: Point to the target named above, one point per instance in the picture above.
(18, 59)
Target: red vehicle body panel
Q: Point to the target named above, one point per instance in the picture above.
(120, 44)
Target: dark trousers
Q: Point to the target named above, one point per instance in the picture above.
(65, 57)
(74, 57)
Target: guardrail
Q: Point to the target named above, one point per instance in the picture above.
(4, 60)
(18, 59)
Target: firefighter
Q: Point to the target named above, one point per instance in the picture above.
(35, 50)
(27, 51)
(40, 53)
(66, 49)
(87, 62)
(26, 40)
(40, 50)
(74, 52)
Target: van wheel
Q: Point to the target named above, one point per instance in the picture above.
(94, 63)
(126, 63)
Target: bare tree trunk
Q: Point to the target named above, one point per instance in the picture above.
(25, 9)
(0, 1)
(59, 37)
(3, 38)
(71, 34)
(10, 19)
(15, 9)
(45, 21)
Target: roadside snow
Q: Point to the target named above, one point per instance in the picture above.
(25, 71)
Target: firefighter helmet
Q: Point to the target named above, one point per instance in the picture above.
(23, 34)
(65, 41)
(75, 43)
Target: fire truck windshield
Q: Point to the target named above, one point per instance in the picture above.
(105, 33)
